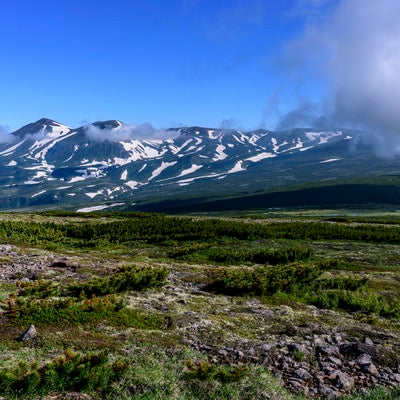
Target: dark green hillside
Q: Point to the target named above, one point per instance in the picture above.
(384, 191)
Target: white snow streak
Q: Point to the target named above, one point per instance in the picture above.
(261, 156)
(220, 155)
(161, 168)
(237, 168)
(11, 149)
(330, 160)
(190, 170)
(99, 207)
(132, 184)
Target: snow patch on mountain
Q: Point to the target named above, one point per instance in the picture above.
(98, 208)
(219, 153)
(298, 144)
(186, 181)
(261, 156)
(237, 168)
(190, 170)
(38, 193)
(330, 160)
(11, 149)
(323, 137)
(124, 175)
(94, 194)
(307, 148)
(132, 184)
(164, 165)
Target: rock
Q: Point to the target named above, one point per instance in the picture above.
(364, 359)
(63, 263)
(29, 334)
(354, 350)
(368, 341)
(267, 346)
(366, 364)
(328, 392)
(370, 368)
(327, 351)
(335, 360)
(342, 380)
(223, 352)
(302, 374)
(396, 377)
(69, 396)
(296, 347)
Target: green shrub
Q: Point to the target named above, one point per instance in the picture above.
(124, 279)
(343, 283)
(264, 281)
(263, 256)
(39, 289)
(388, 307)
(65, 310)
(71, 371)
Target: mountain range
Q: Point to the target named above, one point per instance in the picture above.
(108, 164)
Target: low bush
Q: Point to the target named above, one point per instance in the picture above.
(388, 307)
(303, 282)
(39, 289)
(264, 281)
(263, 256)
(71, 371)
(69, 311)
(124, 279)
(65, 310)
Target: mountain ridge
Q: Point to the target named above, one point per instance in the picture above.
(52, 165)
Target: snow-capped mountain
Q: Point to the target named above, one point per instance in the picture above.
(48, 163)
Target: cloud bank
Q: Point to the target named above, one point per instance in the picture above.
(5, 136)
(355, 51)
(127, 132)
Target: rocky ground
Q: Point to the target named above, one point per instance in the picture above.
(319, 353)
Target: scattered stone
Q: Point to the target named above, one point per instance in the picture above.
(303, 374)
(29, 334)
(364, 359)
(396, 377)
(328, 392)
(368, 341)
(342, 380)
(296, 347)
(335, 361)
(69, 396)
(353, 350)
(327, 351)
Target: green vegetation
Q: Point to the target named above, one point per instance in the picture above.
(147, 288)
(71, 371)
(124, 279)
(158, 229)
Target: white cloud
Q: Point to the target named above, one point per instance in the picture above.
(355, 49)
(5, 136)
(126, 133)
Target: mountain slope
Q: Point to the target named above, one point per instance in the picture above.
(49, 164)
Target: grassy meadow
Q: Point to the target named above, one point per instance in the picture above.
(133, 305)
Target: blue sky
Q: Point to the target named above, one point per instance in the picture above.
(242, 63)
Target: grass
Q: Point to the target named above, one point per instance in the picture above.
(157, 374)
